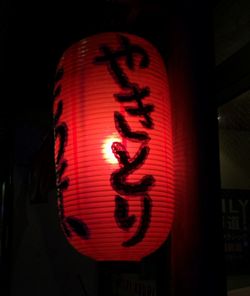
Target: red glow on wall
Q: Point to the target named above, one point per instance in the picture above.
(113, 147)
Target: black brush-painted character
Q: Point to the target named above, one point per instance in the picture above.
(132, 91)
(125, 221)
(118, 180)
(128, 166)
(144, 223)
(61, 132)
(125, 131)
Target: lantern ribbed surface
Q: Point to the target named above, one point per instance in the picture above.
(112, 131)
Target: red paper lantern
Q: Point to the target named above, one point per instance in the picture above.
(113, 147)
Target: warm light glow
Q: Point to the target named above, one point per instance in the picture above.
(106, 148)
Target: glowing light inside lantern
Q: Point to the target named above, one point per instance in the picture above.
(113, 87)
(106, 148)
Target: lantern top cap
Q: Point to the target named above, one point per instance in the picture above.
(109, 35)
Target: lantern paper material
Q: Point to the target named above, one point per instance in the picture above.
(113, 147)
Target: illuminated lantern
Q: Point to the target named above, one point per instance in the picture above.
(113, 147)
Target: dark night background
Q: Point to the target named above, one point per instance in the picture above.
(36, 259)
